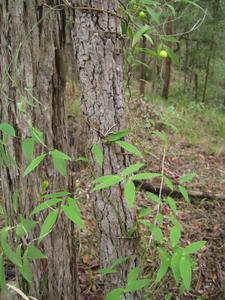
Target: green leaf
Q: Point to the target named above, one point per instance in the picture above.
(138, 34)
(160, 219)
(59, 155)
(144, 176)
(26, 268)
(119, 261)
(157, 233)
(162, 270)
(60, 165)
(194, 247)
(7, 249)
(25, 226)
(106, 271)
(168, 182)
(187, 177)
(74, 216)
(172, 55)
(185, 271)
(28, 148)
(130, 148)
(1, 210)
(129, 193)
(189, 2)
(57, 195)
(137, 285)
(144, 212)
(15, 201)
(37, 135)
(2, 274)
(109, 181)
(132, 168)
(98, 154)
(172, 204)
(117, 136)
(7, 129)
(175, 264)
(175, 222)
(34, 253)
(163, 255)
(115, 294)
(153, 197)
(34, 164)
(169, 38)
(174, 236)
(172, 9)
(133, 275)
(184, 193)
(48, 224)
(154, 15)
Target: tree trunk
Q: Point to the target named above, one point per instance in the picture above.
(40, 68)
(98, 48)
(196, 86)
(207, 68)
(165, 93)
(143, 69)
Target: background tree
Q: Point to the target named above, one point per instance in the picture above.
(33, 39)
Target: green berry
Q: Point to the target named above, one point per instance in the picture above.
(141, 14)
(163, 54)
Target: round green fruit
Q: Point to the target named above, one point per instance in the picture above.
(163, 54)
(141, 14)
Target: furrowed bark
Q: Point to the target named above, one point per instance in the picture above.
(96, 36)
(39, 67)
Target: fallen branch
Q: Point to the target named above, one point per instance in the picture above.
(193, 195)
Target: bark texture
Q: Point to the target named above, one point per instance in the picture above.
(96, 35)
(40, 67)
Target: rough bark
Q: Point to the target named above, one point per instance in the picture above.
(96, 35)
(39, 67)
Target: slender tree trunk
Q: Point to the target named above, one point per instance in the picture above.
(39, 67)
(196, 86)
(98, 47)
(207, 68)
(165, 93)
(186, 66)
(143, 69)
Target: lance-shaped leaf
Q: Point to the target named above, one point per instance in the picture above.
(48, 224)
(45, 205)
(129, 193)
(28, 148)
(7, 129)
(109, 181)
(185, 271)
(130, 148)
(98, 154)
(34, 253)
(115, 294)
(187, 177)
(2, 274)
(184, 193)
(144, 176)
(117, 136)
(34, 164)
(132, 168)
(194, 247)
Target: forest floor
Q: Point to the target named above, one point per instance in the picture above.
(203, 219)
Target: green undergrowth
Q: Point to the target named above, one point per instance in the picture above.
(194, 122)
